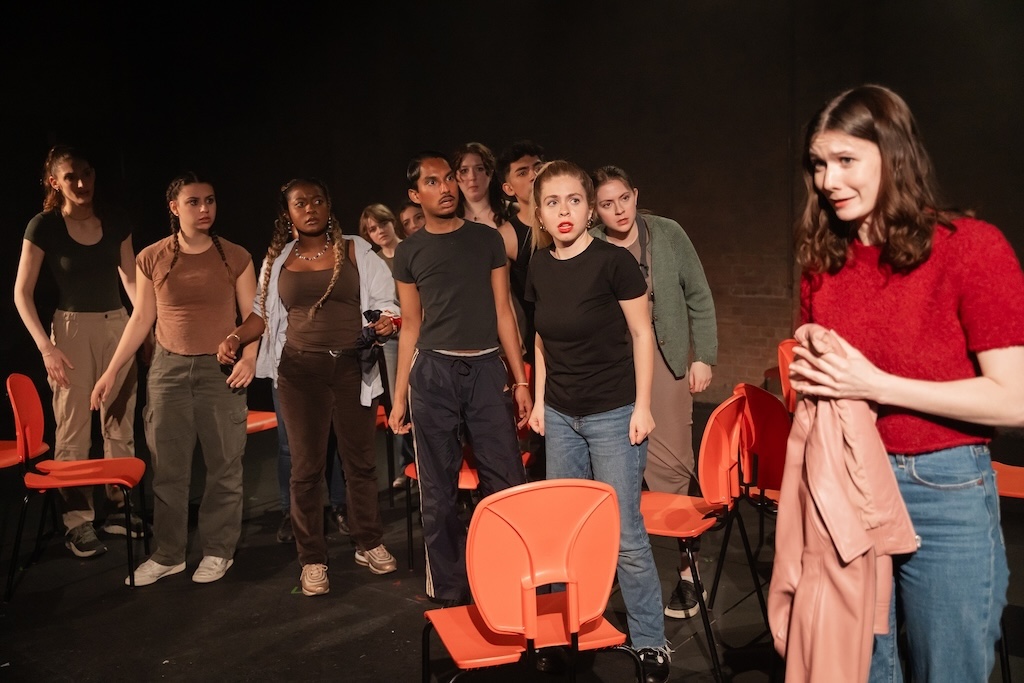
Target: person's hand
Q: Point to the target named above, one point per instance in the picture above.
(384, 327)
(227, 351)
(641, 423)
(700, 376)
(537, 418)
(524, 405)
(242, 374)
(55, 361)
(100, 391)
(396, 421)
(828, 374)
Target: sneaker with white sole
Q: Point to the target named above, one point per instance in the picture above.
(314, 579)
(379, 560)
(655, 664)
(683, 603)
(82, 541)
(118, 525)
(152, 571)
(211, 569)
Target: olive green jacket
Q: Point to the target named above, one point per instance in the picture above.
(682, 297)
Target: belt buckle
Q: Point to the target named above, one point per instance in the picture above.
(334, 354)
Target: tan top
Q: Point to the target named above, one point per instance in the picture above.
(195, 300)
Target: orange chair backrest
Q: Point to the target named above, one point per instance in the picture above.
(543, 532)
(764, 434)
(719, 452)
(785, 358)
(28, 415)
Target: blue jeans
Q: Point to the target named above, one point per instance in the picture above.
(597, 447)
(953, 589)
(335, 476)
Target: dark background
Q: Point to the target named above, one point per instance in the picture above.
(701, 102)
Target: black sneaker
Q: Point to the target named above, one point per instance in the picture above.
(284, 532)
(655, 663)
(552, 660)
(683, 603)
(338, 515)
(82, 541)
(118, 525)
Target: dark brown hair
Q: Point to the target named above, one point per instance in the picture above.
(173, 190)
(907, 207)
(53, 200)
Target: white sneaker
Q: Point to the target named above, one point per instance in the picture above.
(151, 571)
(314, 579)
(379, 560)
(211, 569)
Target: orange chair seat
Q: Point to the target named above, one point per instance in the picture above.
(382, 417)
(9, 454)
(669, 514)
(260, 421)
(472, 645)
(1009, 480)
(113, 471)
(468, 477)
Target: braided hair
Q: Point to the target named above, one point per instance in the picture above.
(173, 190)
(283, 232)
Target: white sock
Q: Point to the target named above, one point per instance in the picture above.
(686, 574)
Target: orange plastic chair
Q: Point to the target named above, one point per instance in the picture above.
(1010, 484)
(785, 352)
(764, 436)
(687, 517)
(512, 550)
(260, 421)
(49, 475)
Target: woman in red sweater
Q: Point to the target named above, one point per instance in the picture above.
(929, 306)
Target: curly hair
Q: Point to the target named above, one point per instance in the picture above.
(283, 231)
(907, 208)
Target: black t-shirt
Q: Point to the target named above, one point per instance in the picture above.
(86, 275)
(587, 351)
(453, 274)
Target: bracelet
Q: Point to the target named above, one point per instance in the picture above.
(520, 384)
(235, 336)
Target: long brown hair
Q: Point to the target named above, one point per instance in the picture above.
(907, 207)
(283, 232)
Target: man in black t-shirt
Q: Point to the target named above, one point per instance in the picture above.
(452, 281)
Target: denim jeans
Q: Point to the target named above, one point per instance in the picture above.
(952, 591)
(597, 447)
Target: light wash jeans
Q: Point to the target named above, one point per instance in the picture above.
(953, 589)
(597, 447)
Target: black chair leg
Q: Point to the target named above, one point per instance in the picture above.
(425, 650)
(408, 520)
(1004, 651)
(753, 572)
(17, 547)
(126, 495)
(721, 555)
(699, 586)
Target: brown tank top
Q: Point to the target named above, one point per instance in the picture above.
(337, 324)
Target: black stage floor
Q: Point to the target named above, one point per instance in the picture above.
(74, 620)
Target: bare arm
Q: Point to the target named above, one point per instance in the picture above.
(135, 332)
(512, 347)
(245, 368)
(540, 375)
(126, 268)
(412, 321)
(639, 322)
(995, 398)
(24, 300)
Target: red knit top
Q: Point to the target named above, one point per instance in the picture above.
(927, 324)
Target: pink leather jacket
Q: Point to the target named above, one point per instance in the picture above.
(840, 521)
